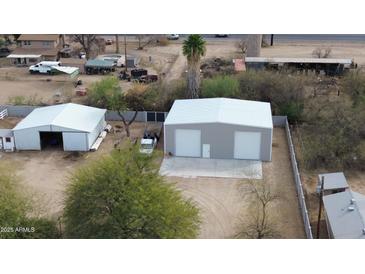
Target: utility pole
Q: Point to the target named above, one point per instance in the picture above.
(116, 43)
(272, 40)
(320, 206)
(125, 54)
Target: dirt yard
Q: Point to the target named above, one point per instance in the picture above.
(166, 61)
(351, 50)
(223, 202)
(45, 174)
(16, 81)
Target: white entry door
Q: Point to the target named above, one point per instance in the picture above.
(1, 143)
(206, 150)
(247, 145)
(187, 143)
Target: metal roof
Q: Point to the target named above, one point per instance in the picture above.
(297, 60)
(345, 213)
(99, 63)
(71, 116)
(334, 180)
(23, 56)
(38, 37)
(67, 70)
(220, 110)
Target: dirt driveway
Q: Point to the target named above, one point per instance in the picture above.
(224, 202)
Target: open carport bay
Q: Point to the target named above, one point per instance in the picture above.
(200, 167)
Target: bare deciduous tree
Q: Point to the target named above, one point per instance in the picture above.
(242, 46)
(322, 52)
(259, 224)
(87, 41)
(144, 40)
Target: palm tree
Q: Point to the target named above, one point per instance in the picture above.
(193, 49)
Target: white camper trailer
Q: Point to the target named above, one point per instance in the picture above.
(6, 140)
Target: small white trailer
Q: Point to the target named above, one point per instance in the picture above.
(7, 140)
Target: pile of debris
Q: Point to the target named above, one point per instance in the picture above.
(215, 66)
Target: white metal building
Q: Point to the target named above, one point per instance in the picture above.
(219, 128)
(6, 140)
(345, 215)
(71, 127)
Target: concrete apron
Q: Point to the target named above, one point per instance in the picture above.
(200, 167)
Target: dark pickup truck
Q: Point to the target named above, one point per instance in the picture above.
(4, 52)
(149, 78)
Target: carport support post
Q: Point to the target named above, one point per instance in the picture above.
(320, 206)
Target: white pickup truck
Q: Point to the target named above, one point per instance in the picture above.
(148, 143)
(44, 67)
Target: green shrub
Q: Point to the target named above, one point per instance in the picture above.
(220, 86)
(285, 92)
(353, 84)
(123, 196)
(20, 100)
(331, 136)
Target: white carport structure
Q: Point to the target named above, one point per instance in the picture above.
(72, 71)
(29, 56)
(71, 127)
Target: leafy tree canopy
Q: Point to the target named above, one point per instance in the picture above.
(123, 196)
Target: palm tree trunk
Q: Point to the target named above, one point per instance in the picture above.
(193, 76)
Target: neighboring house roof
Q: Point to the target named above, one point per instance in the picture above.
(72, 116)
(99, 63)
(34, 51)
(297, 60)
(38, 37)
(220, 110)
(345, 213)
(334, 180)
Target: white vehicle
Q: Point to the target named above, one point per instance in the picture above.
(117, 59)
(147, 145)
(44, 67)
(173, 37)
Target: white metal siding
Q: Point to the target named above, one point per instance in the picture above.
(247, 145)
(75, 141)
(6, 145)
(188, 143)
(28, 139)
(92, 136)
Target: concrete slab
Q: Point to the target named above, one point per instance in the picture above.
(199, 167)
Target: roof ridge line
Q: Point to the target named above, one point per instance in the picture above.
(59, 113)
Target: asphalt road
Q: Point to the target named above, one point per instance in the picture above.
(279, 37)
